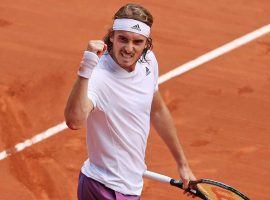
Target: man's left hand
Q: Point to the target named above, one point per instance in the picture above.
(186, 175)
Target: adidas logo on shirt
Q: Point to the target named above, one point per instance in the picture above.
(136, 27)
(147, 71)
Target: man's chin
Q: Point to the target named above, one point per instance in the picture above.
(127, 66)
(126, 63)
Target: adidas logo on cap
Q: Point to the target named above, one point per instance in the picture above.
(136, 27)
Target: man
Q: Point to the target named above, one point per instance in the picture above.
(117, 93)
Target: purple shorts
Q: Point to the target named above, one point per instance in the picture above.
(90, 189)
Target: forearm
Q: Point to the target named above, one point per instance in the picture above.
(165, 127)
(78, 104)
(163, 123)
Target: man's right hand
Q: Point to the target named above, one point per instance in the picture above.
(94, 51)
(97, 46)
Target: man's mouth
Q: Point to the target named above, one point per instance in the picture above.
(127, 56)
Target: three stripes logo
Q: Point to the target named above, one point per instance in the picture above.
(147, 71)
(136, 27)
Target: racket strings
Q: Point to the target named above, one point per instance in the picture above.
(213, 192)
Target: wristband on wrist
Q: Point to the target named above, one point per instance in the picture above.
(89, 61)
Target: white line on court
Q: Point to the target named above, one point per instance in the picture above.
(169, 75)
(37, 138)
(215, 53)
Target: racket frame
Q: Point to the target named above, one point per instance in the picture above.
(221, 185)
(193, 189)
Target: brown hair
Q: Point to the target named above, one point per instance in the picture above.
(132, 11)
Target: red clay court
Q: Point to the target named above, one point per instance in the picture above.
(221, 108)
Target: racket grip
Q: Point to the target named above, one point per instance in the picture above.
(179, 184)
(176, 183)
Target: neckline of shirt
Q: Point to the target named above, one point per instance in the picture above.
(119, 71)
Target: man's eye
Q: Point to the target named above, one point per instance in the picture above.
(138, 42)
(123, 39)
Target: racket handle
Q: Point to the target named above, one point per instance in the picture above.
(173, 182)
(176, 183)
(179, 184)
(157, 177)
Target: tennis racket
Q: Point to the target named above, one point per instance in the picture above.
(204, 188)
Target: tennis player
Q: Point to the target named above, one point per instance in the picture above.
(116, 93)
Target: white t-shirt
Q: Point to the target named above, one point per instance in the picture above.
(118, 127)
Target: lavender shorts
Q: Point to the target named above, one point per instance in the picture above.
(90, 189)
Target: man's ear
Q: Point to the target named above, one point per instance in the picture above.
(148, 44)
(111, 37)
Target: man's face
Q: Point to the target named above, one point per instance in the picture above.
(127, 48)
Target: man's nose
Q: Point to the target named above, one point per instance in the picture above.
(129, 47)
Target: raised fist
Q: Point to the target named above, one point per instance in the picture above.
(97, 46)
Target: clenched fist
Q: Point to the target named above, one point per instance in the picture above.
(94, 51)
(97, 46)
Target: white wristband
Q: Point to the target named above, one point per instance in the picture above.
(89, 61)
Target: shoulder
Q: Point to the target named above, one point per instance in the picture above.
(151, 60)
(150, 56)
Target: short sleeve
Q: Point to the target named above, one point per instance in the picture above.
(93, 97)
(92, 92)
(154, 66)
(156, 75)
